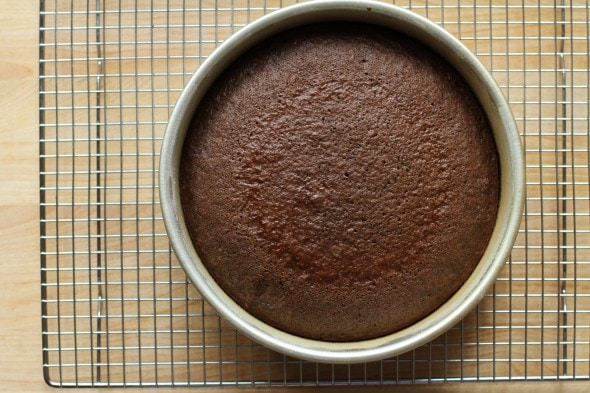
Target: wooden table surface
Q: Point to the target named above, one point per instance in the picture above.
(20, 312)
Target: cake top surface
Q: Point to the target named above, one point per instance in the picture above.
(340, 181)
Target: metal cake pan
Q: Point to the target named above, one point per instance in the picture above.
(505, 134)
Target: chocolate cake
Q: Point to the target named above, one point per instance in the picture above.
(340, 181)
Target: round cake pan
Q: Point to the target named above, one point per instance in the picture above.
(507, 143)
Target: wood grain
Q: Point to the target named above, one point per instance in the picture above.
(20, 362)
(20, 312)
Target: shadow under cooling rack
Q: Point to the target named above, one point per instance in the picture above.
(117, 308)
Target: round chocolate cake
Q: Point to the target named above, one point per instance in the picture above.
(340, 181)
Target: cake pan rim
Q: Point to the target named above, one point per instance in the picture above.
(504, 131)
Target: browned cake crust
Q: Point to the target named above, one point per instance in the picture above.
(340, 182)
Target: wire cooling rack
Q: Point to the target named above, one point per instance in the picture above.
(117, 308)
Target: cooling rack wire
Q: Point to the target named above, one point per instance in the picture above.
(117, 308)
